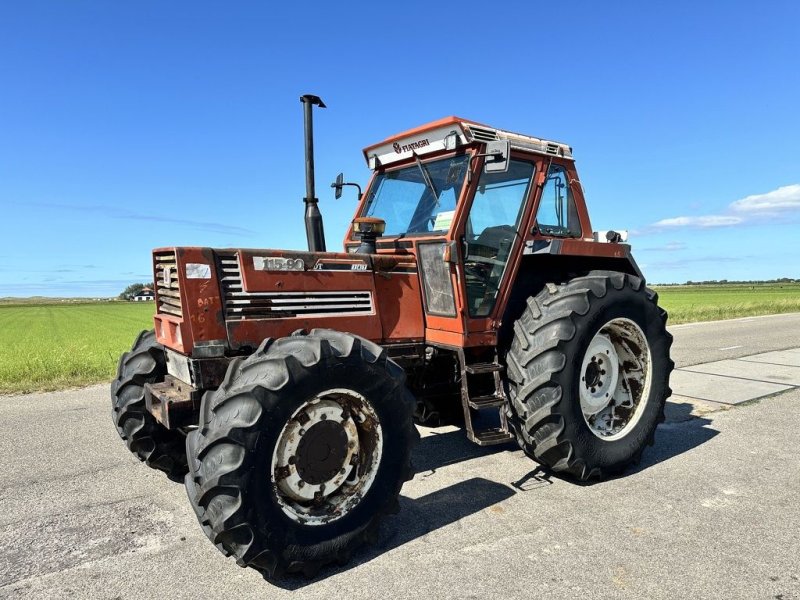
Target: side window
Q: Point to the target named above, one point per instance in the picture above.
(557, 214)
(491, 230)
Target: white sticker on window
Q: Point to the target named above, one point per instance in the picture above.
(198, 271)
(443, 220)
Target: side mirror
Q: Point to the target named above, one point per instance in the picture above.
(338, 185)
(497, 156)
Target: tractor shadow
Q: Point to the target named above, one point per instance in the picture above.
(681, 432)
(441, 449)
(417, 518)
(421, 516)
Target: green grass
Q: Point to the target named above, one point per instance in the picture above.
(47, 344)
(690, 303)
(57, 345)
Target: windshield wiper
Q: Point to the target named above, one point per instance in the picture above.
(426, 176)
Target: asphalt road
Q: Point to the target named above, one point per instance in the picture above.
(712, 511)
(705, 342)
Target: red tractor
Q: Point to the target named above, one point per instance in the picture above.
(282, 386)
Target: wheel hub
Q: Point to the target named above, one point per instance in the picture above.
(321, 452)
(600, 372)
(326, 457)
(615, 379)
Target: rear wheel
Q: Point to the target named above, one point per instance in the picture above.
(152, 443)
(300, 452)
(588, 374)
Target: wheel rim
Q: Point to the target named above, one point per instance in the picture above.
(326, 457)
(615, 379)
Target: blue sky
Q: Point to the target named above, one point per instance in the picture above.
(126, 126)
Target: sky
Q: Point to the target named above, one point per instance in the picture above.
(126, 126)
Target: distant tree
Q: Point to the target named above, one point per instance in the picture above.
(133, 289)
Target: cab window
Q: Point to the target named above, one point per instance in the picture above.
(491, 230)
(420, 198)
(557, 214)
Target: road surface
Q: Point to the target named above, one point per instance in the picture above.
(713, 511)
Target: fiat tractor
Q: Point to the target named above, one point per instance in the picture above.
(283, 387)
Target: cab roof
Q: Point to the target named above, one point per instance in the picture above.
(431, 138)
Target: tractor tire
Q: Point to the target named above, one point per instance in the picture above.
(588, 374)
(301, 451)
(154, 444)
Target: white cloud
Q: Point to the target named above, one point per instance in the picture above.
(783, 199)
(704, 221)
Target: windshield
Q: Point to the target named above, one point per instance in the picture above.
(420, 198)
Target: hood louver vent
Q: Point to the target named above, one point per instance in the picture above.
(168, 290)
(483, 135)
(241, 306)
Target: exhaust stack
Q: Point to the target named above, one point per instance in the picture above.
(314, 230)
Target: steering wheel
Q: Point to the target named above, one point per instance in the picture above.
(492, 262)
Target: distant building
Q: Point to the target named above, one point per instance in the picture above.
(145, 295)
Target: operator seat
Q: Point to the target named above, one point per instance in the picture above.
(499, 238)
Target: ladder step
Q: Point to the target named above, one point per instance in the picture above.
(490, 401)
(490, 437)
(477, 368)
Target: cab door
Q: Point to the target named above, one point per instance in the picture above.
(491, 235)
(484, 239)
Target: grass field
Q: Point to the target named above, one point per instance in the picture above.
(51, 346)
(46, 345)
(690, 303)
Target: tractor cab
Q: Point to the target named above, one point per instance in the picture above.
(468, 201)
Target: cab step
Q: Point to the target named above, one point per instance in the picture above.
(491, 437)
(487, 367)
(490, 401)
(475, 406)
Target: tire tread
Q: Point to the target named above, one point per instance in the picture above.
(534, 415)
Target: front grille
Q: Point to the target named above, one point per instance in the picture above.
(242, 306)
(168, 288)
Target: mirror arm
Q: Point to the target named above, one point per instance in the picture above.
(344, 183)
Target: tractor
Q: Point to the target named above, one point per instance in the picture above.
(283, 387)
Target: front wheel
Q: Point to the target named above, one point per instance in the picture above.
(151, 442)
(301, 451)
(588, 374)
